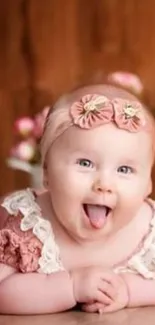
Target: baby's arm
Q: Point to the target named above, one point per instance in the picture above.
(141, 291)
(6, 271)
(35, 293)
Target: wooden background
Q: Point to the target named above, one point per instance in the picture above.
(50, 46)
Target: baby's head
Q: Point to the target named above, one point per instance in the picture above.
(97, 152)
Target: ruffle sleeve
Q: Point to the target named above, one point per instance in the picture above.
(27, 240)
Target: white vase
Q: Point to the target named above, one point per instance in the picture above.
(36, 177)
(35, 172)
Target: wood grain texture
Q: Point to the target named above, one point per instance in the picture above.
(139, 316)
(48, 47)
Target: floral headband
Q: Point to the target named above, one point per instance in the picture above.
(94, 110)
(89, 112)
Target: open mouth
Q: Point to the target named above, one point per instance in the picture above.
(97, 214)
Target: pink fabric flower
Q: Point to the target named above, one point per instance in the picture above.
(91, 111)
(128, 115)
(94, 110)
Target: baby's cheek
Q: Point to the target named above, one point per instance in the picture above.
(133, 197)
(79, 182)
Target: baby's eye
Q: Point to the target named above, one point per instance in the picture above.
(125, 170)
(85, 163)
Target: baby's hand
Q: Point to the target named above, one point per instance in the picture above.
(93, 284)
(119, 301)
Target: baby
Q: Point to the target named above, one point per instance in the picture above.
(89, 238)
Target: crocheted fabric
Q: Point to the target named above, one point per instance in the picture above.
(27, 240)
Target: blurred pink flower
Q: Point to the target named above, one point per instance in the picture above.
(25, 150)
(28, 132)
(127, 79)
(24, 126)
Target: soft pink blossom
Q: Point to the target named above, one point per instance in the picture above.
(127, 79)
(24, 126)
(25, 150)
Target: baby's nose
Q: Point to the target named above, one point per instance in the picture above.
(103, 183)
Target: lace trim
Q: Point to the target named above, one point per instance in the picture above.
(24, 201)
(143, 260)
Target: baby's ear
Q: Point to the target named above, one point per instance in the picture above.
(45, 177)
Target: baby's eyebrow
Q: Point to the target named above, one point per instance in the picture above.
(131, 162)
(82, 152)
(135, 163)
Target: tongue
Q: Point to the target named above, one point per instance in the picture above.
(96, 215)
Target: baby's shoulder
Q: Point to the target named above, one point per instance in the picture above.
(142, 260)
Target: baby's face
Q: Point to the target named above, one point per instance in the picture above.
(98, 179)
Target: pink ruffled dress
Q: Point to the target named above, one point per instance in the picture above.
(27, 240)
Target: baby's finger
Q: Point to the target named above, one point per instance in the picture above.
(108, 289)
(108, 276)
(92, 308)
(103, 298)
(110, 308)
(111, 277)
(114, 279)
